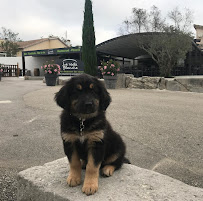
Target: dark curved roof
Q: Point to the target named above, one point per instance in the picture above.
(122, 46)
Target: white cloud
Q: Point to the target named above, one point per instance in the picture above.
(36, 18)
(103, 35)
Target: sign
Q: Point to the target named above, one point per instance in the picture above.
(52, 51)
(70, 66)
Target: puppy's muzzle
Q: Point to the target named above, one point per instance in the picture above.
(89, 107)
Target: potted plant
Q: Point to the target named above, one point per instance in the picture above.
(51, 71)
(1, 71)
(109, 71)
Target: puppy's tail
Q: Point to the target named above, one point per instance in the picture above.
(125, 160)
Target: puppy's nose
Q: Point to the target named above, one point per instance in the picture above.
(88, 103)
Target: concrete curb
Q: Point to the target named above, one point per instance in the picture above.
(48, 182)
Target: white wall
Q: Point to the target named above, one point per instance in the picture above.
(11, 61)
(30, 62)
(36, 62)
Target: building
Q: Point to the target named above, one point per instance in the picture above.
(125, 47)
(38, 44)
(41, 44)
(199, 35)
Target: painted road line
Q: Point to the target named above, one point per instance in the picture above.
(5, 102)
(31, 120)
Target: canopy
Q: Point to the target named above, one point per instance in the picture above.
(123, 46)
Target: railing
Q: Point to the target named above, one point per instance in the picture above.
(10, 70)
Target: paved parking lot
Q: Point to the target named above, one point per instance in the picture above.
(163, 130)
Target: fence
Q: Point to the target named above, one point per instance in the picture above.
(10, 70)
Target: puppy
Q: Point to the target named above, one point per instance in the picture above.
(88, 139)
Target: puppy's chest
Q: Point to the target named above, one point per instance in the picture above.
(90, 137)
(82, 138)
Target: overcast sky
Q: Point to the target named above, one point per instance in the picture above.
(34, 19)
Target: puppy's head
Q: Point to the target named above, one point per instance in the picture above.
(83, 96)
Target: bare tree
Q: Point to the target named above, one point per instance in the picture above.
(125, 28)
(156, 23)
(181, 20)
(136, 23)
(152, 21)
(9, 43)
(188, 19)
(166, 44)
(142, 21)
(139, 18)
(176, 16)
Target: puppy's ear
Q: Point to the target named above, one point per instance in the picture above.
(62, 97)
(105, 98)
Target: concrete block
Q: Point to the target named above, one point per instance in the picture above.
(192, 84)
(48, 182)
(173, 85)
(121, 81)
(34, 77)
(162, 83)
(63, 79)
(128, 81)
(136, 83)
(144, 82)
(150, 82)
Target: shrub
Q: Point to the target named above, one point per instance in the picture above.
(51, 68)
(110, 68)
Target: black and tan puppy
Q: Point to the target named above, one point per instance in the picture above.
(88, 139)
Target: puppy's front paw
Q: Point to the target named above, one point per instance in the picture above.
(73, 180)
(90, 188)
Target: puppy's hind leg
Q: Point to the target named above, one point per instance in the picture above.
(108, 170)
(111, 164)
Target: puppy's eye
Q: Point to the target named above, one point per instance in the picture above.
(91, 86)
(79, 87)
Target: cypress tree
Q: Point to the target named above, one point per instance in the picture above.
(89, 56)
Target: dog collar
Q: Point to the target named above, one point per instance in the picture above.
(82, 126)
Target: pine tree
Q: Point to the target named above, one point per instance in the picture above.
(89, 56)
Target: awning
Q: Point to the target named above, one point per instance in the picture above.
(123, 46)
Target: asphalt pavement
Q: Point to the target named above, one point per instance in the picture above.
(163, 130)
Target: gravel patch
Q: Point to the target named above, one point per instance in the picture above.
(8, 185)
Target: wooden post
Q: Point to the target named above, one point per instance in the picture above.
(10, 70)
(23, 64)
(18, 71)
(123, 68)
(196, 63)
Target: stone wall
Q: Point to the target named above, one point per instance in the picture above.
(186, 84)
